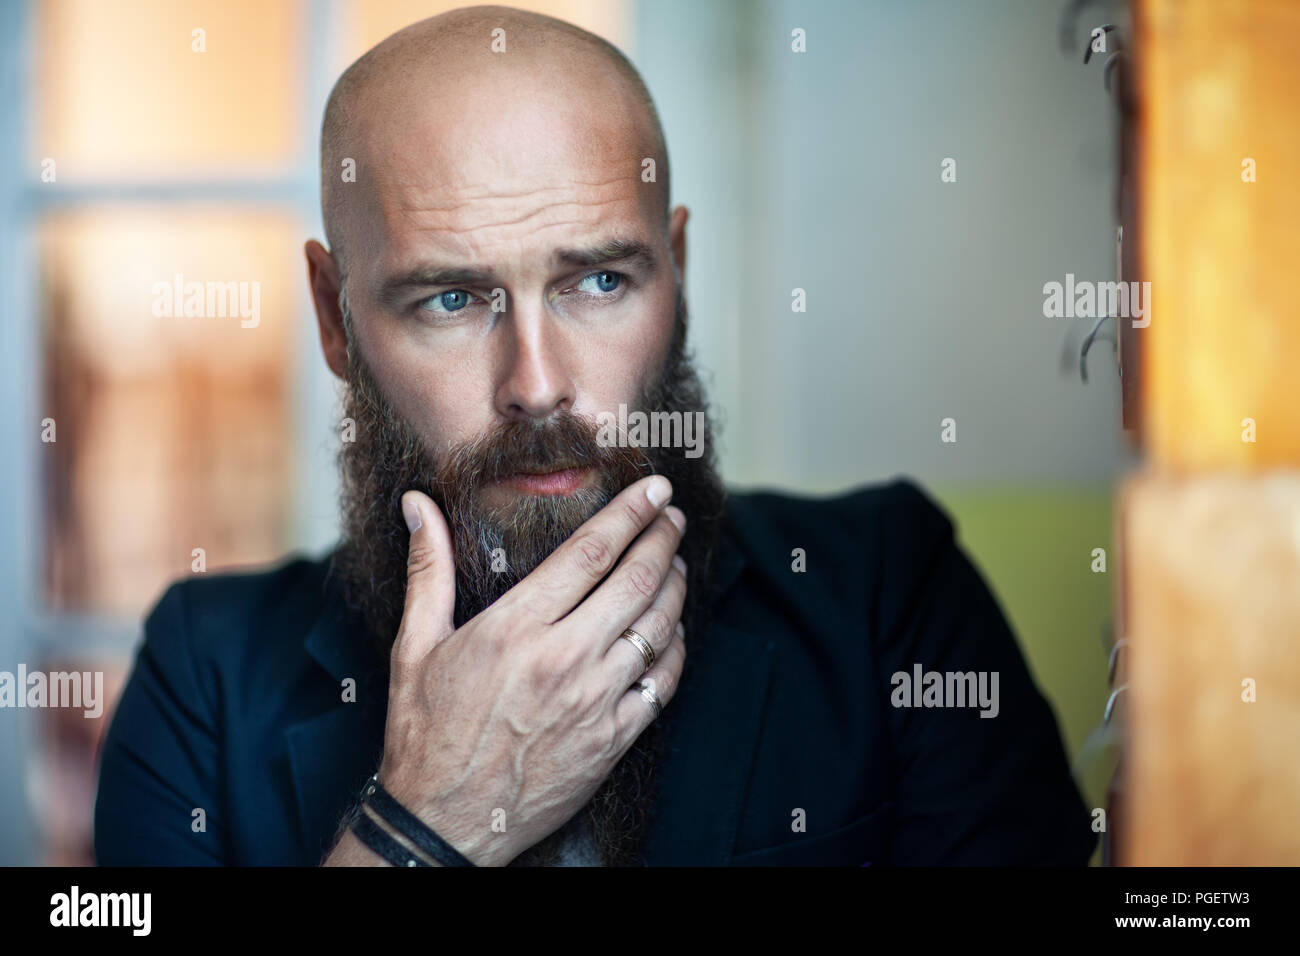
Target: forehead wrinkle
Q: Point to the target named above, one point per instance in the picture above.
(507, 205)
(411, 221)
(477, 259)
(526, 217)
(488, 193)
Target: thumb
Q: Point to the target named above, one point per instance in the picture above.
(430, 578)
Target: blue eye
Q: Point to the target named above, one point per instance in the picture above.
(606, 282)
(452, 301)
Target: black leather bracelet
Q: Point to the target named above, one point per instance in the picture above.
(407, 824)
(370, 833)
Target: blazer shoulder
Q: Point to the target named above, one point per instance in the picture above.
(896, 519)
(219, 613)
(866, 552)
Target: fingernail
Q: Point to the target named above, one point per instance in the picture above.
(681, 631)
(679, 564)
(411, 512)
(676, 517)
(658, 491)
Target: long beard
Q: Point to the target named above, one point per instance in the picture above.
(495, 549)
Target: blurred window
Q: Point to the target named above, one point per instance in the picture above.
(176, 144)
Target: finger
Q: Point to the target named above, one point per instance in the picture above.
(557, 584)
(430, 580)
(633, 713)
(623, 662)
(632, 587)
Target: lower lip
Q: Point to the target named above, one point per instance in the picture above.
(556, 483)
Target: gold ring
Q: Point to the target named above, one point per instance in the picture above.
(642, 645)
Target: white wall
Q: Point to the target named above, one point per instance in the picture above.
(821, 171)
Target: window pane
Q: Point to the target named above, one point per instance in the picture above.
(122, 94)
(172, 430)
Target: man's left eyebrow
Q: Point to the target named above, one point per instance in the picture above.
(615, 250)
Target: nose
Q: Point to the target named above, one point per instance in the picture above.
(535, 382)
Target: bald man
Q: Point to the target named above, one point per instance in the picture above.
(492, 668)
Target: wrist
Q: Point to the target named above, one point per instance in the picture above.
(421, 825)
(407, 844)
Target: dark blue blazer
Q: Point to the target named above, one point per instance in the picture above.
(235, 708)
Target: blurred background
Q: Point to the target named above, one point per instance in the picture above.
(133, 157)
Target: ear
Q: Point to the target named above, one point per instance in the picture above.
(323, 276)
(677, 240)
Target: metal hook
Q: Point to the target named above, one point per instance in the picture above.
(1112, 62)
(1110, 704)
(1087, 344)
(1070, 17)
(1104, 28)
(1114, 658)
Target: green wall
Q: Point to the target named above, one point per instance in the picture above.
(1034, 546)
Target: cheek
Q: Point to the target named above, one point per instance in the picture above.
(621, 364)
(439, 400)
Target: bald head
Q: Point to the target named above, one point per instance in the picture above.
(482, 102)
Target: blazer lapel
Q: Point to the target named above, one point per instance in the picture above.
(712, 734)
(711, 740)
(333, 753)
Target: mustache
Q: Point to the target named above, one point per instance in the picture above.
(564, 441)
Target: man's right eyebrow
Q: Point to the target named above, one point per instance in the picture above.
(395, 288)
